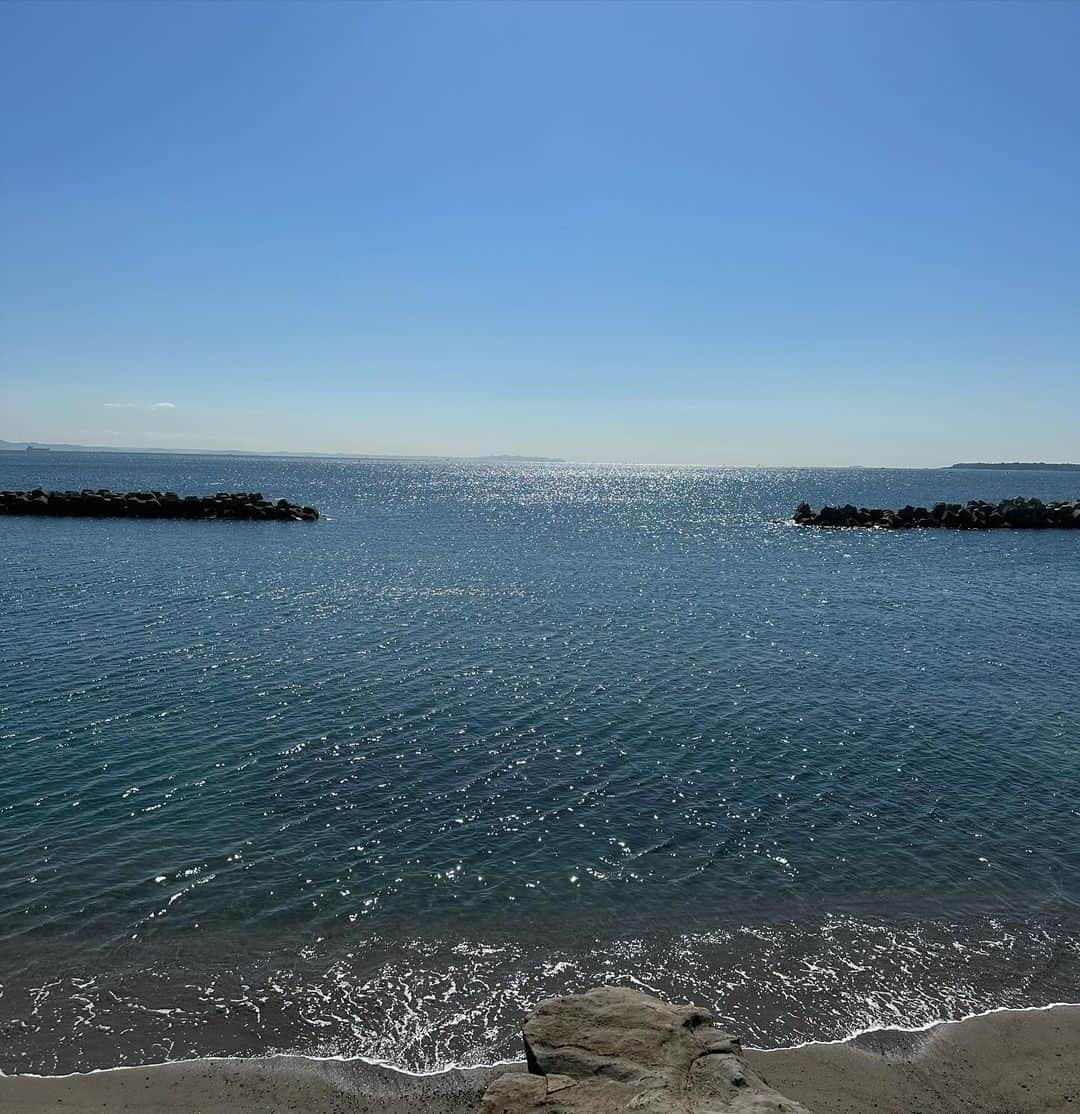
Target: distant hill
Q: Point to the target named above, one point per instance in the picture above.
(513, 458)
(1023, 466)
(50, 446)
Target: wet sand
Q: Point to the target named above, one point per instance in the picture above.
(275, 1085)
(1013, 1062)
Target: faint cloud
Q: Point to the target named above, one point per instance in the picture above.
(140, 405)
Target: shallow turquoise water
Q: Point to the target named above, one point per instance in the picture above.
(492, 731)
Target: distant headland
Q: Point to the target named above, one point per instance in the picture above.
(51, 446)
(1021, 466)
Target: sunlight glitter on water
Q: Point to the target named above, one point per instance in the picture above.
(609, 704)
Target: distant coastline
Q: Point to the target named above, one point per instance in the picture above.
(36, 447)
(49, 446)
(1022, 466)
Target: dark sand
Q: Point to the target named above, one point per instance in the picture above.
(1013, 1062)
(276, 1085)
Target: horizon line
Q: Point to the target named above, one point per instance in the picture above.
(522, 458)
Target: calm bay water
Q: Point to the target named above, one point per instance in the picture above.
(489, 732)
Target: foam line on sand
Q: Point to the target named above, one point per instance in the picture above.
(1015, 1061)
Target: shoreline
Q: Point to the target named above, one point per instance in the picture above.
(860, 1036)
(778, 988)
(1014, 1059)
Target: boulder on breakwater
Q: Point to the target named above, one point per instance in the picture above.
(154, 504)
(613, 1049)
(976, 514)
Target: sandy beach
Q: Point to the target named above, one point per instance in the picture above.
(276, 1085)
(1010, 1062)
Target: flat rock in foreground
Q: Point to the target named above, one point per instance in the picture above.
(613, 1049)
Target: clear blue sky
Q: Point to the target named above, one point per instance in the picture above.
(710, 234)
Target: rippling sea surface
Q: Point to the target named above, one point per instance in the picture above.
(490, 731)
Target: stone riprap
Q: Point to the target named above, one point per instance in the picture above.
(977, 514)
(248, 505)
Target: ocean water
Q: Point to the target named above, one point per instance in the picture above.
(493, 731)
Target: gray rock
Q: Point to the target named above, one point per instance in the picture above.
(614, 1049)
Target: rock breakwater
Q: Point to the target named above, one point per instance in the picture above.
(102, 503)
(976, 514)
